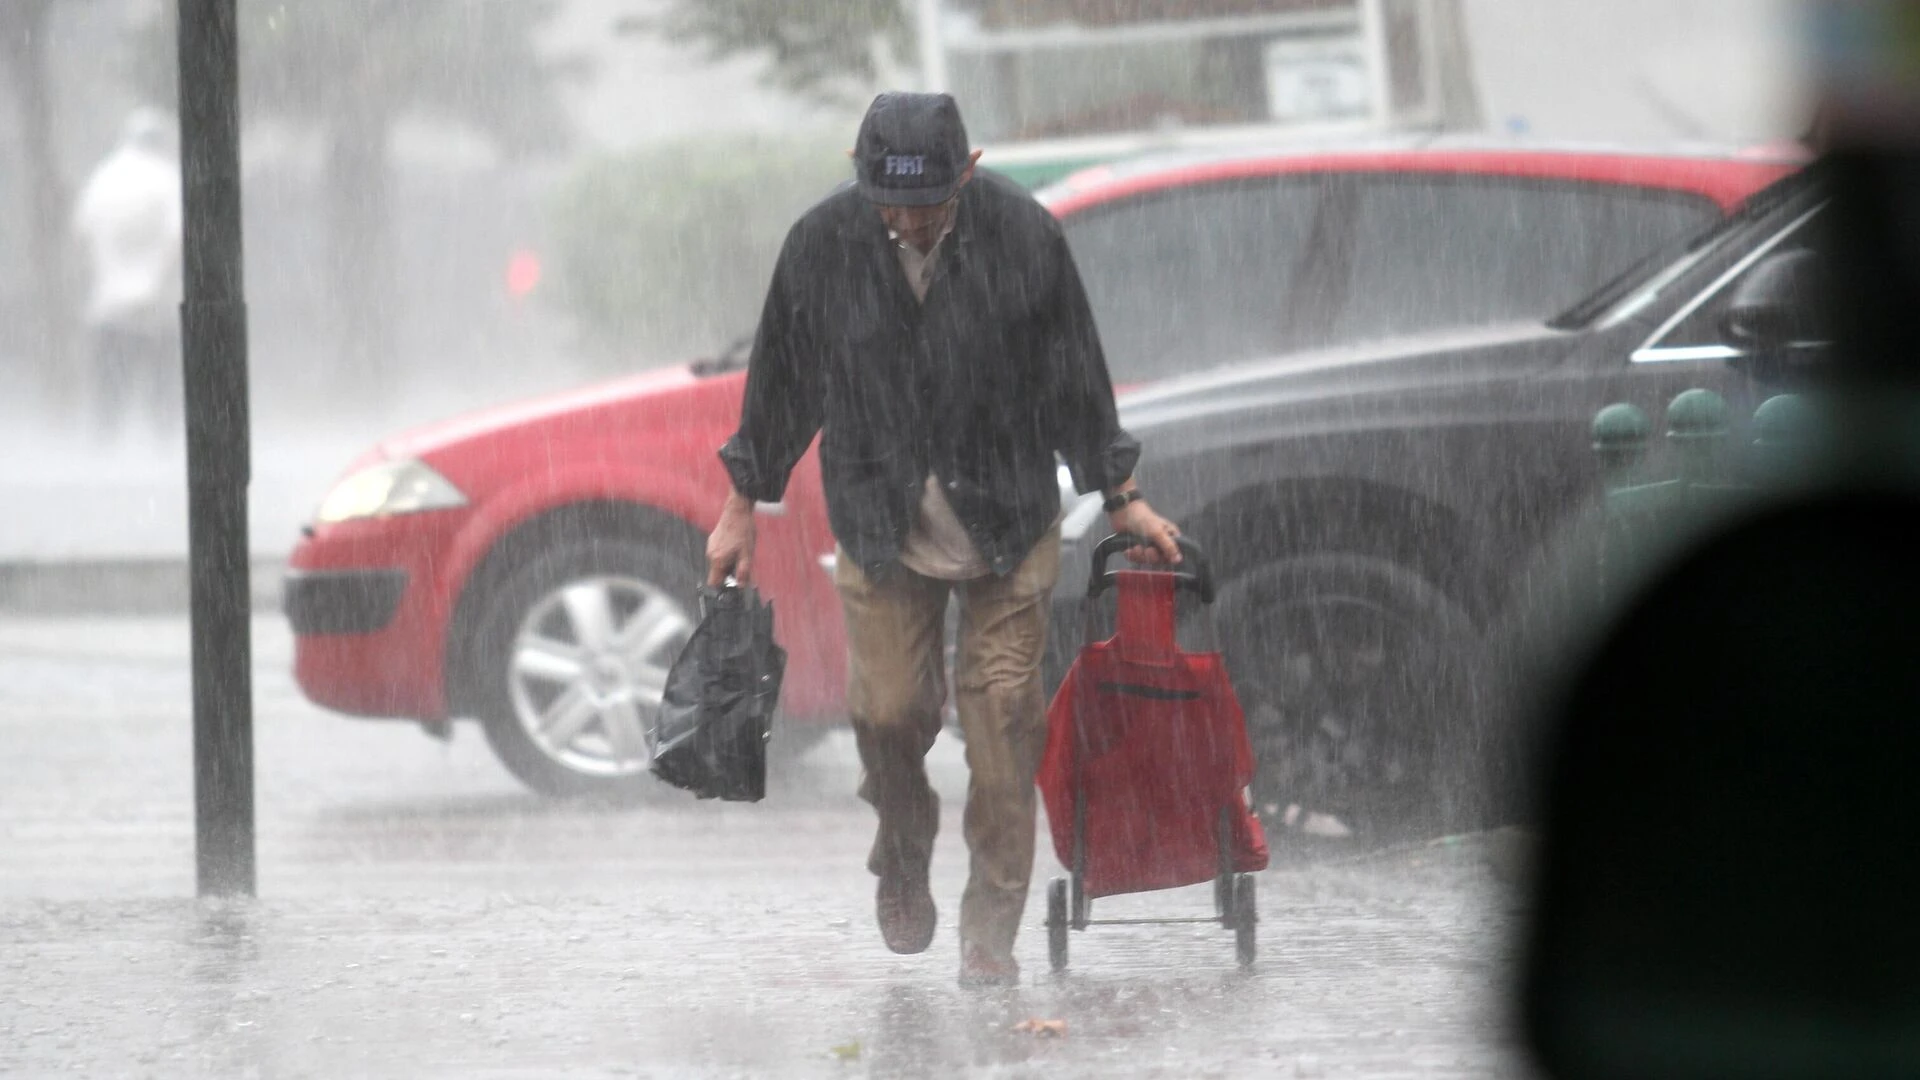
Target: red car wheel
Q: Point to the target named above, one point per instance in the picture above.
(572, 656)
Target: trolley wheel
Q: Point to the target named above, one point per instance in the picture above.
(1078, 897)
(1057, 923)
(1082, 904)
(1223, 880)
(1246, 919)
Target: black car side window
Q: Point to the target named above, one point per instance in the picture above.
(1434, 251)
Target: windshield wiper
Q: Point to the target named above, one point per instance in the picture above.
(730, 359)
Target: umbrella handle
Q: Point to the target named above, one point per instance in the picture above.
(1193, 575)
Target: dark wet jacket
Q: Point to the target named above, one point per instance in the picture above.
(999, 368)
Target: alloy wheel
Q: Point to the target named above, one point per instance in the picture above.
(588, 670)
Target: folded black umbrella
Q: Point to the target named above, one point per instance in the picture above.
(711, 738)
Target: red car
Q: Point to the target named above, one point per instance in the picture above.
(536, 566)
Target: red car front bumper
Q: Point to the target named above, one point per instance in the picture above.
(371, 603)
(370, 610)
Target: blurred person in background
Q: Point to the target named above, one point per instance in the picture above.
(129, 219)
(931, 326)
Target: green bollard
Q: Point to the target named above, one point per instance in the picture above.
(1620, 435)
(1642, 515)
(1783, 437)
(1697, 431)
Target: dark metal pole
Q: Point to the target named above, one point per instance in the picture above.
(213, 320)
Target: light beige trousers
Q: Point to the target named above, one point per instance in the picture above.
(896, 690)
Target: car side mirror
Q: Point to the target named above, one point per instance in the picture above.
(1779, 306)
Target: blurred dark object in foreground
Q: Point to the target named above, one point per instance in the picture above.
(1724, 883)
(717, 712)
(1723, 886)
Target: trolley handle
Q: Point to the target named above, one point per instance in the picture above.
(1192, 575)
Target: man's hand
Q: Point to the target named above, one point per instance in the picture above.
(1139, 519)
(730, 548)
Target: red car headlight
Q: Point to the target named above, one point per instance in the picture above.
(402, 486)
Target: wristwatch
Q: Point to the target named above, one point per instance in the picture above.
(1116, 503)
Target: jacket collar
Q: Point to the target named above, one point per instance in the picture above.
(969, 213)
(866, 226)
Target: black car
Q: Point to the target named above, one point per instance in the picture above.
(1369, 510)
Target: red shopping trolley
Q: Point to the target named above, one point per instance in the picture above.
(1147, 761)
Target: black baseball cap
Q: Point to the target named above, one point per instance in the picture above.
(911, 149)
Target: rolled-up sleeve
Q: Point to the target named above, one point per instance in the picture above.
(781, 412)
(1098, 452)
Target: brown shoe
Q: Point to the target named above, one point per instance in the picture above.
(904, 907)
(980, 968)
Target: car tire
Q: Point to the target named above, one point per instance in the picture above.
(570, 651)
(1358, 678)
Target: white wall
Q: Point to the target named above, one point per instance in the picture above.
(1639, 70)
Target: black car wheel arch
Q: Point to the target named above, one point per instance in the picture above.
(1360, 680)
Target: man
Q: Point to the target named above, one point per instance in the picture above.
(930, 325)
(129, 219)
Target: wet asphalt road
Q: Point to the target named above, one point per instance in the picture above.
(421, 916)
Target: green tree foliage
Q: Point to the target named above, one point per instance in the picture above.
(825, 49)
(348, 71)
(348, 62)
(666, 252)
(820, 49)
